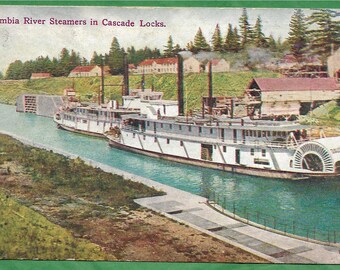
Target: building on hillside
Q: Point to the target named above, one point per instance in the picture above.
(218, 65)
(85, 71)
(40, 75)
(192, 65)
(196, 65)
(132, 68)
(333, 65)
(270, 97)
(106, 71)
(157, 66)
(309, 67)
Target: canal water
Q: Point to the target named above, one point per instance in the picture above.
(304, 207)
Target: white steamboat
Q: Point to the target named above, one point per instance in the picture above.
(262, 148)
(94, 119)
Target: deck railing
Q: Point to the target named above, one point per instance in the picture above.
(218, 140)
(272, 223)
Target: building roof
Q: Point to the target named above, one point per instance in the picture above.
(215, 62)
(44, 74)
(159, 61)
(293, 84)
(82, 69)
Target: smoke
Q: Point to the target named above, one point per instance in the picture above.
(200, 56)
(205, 56)
(259, 57)
(185, 54)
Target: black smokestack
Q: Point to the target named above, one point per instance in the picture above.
(210, 87)
(126, 75)
(101, 94)
(180, 85)
(143, 81)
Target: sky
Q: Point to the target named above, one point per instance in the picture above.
(29, 41)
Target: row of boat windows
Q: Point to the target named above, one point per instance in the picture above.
(249, 133)
(224, 147)
(72, 118)
(259, 133)
(102, 113)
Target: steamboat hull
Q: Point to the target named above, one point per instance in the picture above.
(80, 131)
(239, 169)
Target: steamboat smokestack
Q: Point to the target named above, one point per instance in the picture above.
(126, 75)
(180, 85)
(210, 87)
(101, 98)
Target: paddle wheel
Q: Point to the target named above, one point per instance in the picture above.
(314, 157)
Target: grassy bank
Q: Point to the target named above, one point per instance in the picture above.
(196, 86)
(56, 208)
(64, 190)
(26, 234)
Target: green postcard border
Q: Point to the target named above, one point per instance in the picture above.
(183, 3)
(72, 265)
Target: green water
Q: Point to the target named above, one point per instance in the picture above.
(312, 204)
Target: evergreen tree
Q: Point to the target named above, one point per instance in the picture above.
(64, 62)
(190, 46)
(75, 61)
(325, 33)
(115, 59)
(246, 31)
(96, 59)
(272, 45)
(232, 42)
(259, 38)
(137, 56)
(236, 41)
(55, 68)
(84, 61)
(27, 69)
(155, 53)
(200, 43)
(169, 48)
(131, 51)
(217, 44)
(14, 70)
(297, 36)
(177, 49)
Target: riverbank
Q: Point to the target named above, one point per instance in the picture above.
(102, 211)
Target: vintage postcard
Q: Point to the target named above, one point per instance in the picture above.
(151, 134)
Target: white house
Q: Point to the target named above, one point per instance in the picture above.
(158, 66)
(218, 65)
(191, 64)
(85, 71)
